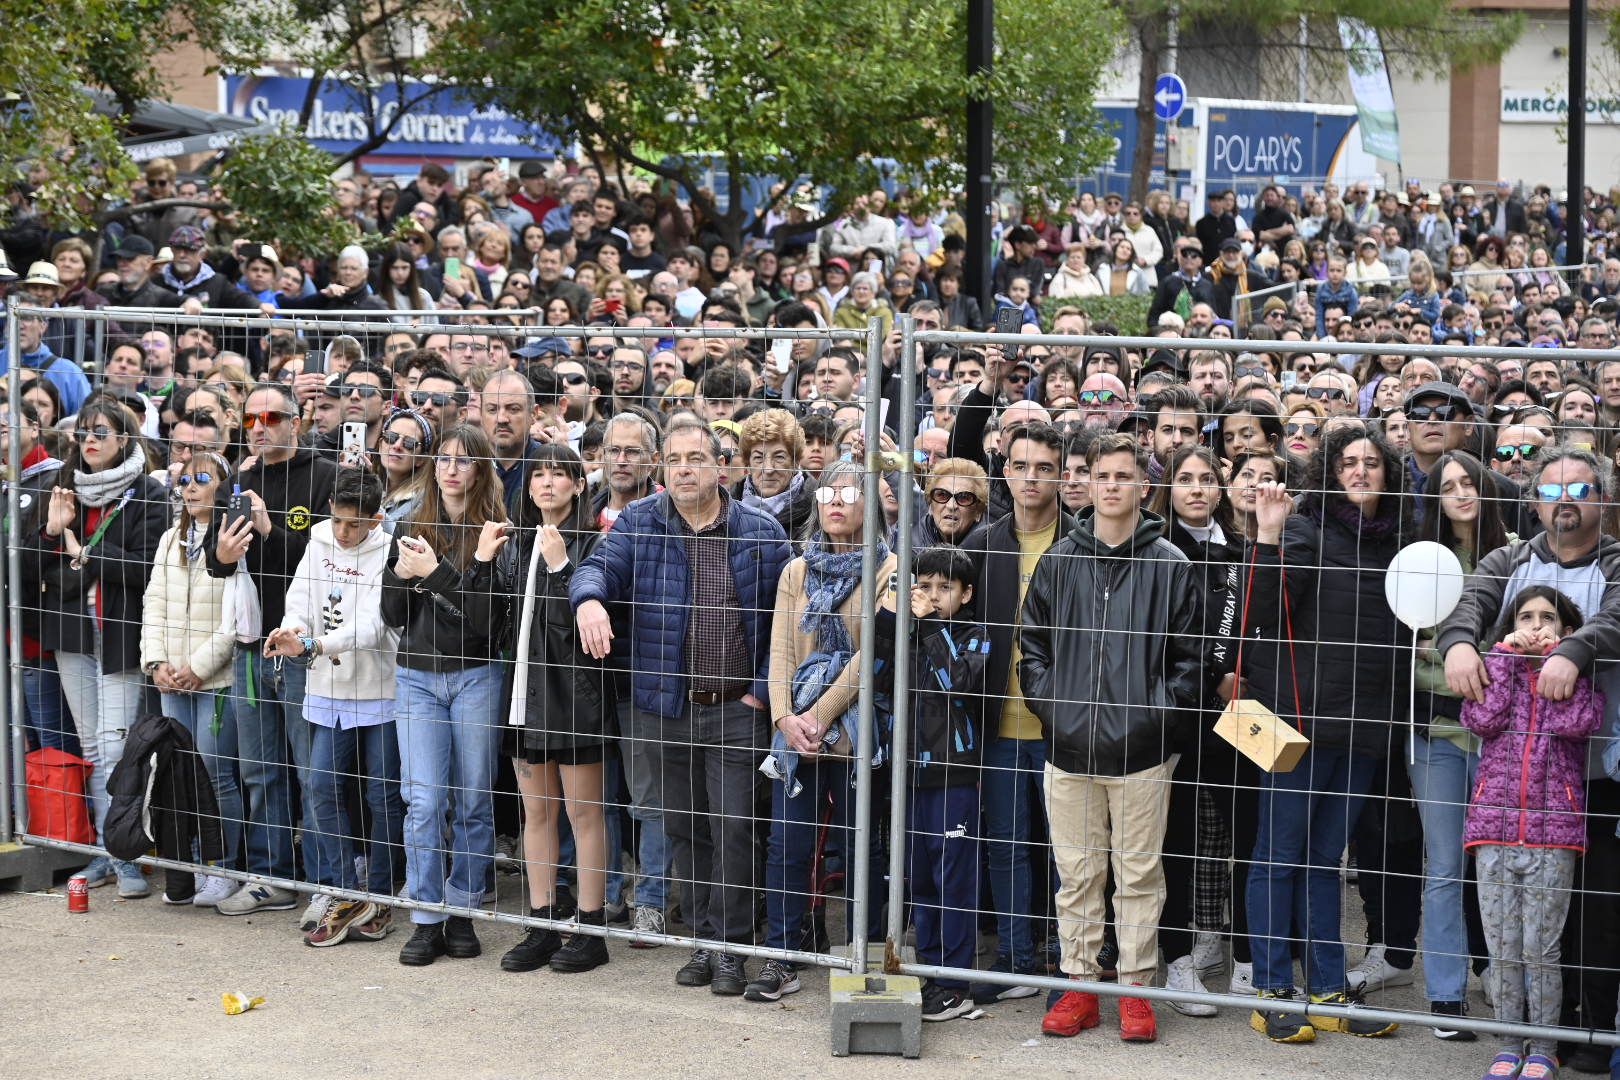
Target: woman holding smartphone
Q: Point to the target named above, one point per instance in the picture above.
(439, 590)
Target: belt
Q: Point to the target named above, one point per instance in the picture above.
(714, 697)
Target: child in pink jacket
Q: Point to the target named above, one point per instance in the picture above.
(1526, 820)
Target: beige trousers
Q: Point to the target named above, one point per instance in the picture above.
(1091, 819)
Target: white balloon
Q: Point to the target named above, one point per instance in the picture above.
(1423, 584)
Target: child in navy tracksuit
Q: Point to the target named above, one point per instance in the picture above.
(948, 661)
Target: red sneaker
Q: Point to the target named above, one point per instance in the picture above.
(1136, 1022)
(1071, 1014)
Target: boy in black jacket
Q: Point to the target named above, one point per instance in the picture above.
(947, 754)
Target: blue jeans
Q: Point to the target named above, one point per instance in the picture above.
(639, 735)
(328, 834)
(273, 736)
(1011, 790)
(45, 717)
(219, 753)
(1442, 778)
(942, 865)
(1306, 817)
(790, 851)
(448, 723)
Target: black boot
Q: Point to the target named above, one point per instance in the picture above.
(536, 948)
(460, 942)
(583, 951)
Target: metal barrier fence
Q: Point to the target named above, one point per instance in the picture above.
(800, 846)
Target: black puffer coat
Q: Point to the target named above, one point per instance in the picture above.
(160, 795)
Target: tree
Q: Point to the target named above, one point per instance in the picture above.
(836, 92)
(1421, 37)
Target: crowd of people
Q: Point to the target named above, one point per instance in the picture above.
(458, 590)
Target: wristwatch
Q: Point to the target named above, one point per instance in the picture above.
(312, 645)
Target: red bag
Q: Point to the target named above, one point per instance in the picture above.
(57, 808)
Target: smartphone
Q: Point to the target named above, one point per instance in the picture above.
(874, 267)
(612, 306)
(237, 508)
(1289, 379)
(315, 360)
(354, 440)
(452, 267)
(782, 354)
(1009, 320)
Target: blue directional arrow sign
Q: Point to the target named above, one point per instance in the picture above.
(1169, 96)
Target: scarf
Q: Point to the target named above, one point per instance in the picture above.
(100, 488)
(829, 579)
(772, 504)
(1373, 528)
(204, 272)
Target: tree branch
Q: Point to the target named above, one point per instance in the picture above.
(129, 210)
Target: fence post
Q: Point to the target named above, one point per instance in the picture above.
(13, 791)
(906, 428)
(860, 911)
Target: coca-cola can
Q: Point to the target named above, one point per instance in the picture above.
(78, 894)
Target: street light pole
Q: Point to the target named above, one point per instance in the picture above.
(981, 35)
(1575, 208)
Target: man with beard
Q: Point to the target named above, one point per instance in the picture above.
(629, 457)
(1517, 446)
(505, 410)
(580, 396)
(135, 286)
(664, 367)
(629, 368)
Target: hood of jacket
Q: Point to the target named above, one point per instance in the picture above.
(1149, 527)
(322, 540)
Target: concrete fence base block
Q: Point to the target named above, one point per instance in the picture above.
(24, 868)
(876, 1014)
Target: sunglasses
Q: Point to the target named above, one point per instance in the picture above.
(1307, 430)
(1255, 372)
(194, 478)
(420, 398)
(1017, 377)
(268, 419)
(960, 498)
(1326, 393)
(574, 379)
(1097, 397)
(1421, 413)
(1580, 491)
(410, 442)
(600, 350)
(849, 495)
(1525, 451)
(366, 392)
(84, 435)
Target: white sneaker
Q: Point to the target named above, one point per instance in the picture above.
(1209, 953)
(1243, 980)
(213, 889)
(1184, 976)
(1485, 986)
(314, 912)
(1375, 972)
(254, 898)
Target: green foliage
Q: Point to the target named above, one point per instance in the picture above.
(280, 188)
(1128, 313)
(815, 88)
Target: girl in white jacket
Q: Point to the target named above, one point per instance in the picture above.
(188, 654)
(334, 624)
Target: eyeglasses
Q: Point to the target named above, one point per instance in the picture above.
(98, 433)
(1579, 491)
(268, 419)
(194, 478)
(470, 346)
(454, 462)
(190, 448)
(1523, 451)
(899, 283)
(365, 392)
(627, 365)
(1326, 393)
(1307, 430)
(1097, 397)
(960, 498)
(623, 453)
(411, 443)
(1420, 413)
(848, 495)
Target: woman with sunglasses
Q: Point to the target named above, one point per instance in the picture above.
(1211, 781)
(189, 658)
(1462, 512)
(560, 706)
(87, 556)
(398, 286)
(439, 590)
(815, 646)
(405, 459)
(958, 491)
(1302, 429)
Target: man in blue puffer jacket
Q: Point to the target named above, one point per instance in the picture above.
(699, 570)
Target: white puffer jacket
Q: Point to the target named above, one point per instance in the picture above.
(181, 613)
(336, 596)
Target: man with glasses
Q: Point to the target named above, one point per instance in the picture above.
(1334, 390)
(628, 365)
(1186, 286)
(194, 433)
(1103, 400)
(1439, 418)
(579, 396)
(365, 395)
(162, 180)
(1571, 490)
(34, 353)
(438, 396)
(1518, 451)
(466, 351)
(288, 487)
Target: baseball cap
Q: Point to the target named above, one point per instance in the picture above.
(261, 251)
(1448, 391)
(837, 262)
(536, 347)
(1231, 243)
(531, 169)
(132, 246)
